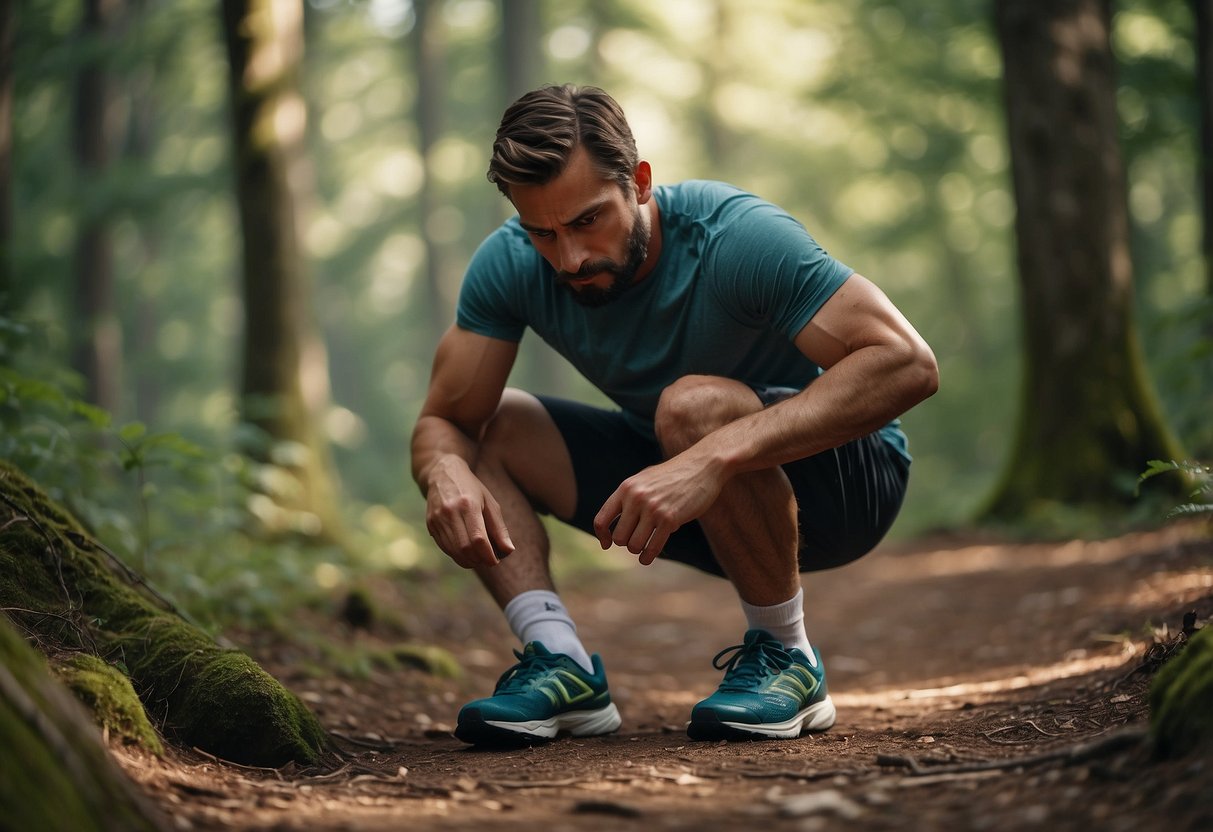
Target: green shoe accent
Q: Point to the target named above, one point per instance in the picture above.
(767, 691)
(543, 694)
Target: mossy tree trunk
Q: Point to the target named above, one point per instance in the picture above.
(1089, 420)
(55, 773)
(58, 586)
(285, 367)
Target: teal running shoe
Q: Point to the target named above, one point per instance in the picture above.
(536, 699)
(767, 691)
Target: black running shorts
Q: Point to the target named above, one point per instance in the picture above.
(848, 497)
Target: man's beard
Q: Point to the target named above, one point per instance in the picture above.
(624, 274)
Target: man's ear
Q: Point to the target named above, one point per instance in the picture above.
(644, 182)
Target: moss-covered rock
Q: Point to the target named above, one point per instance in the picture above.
(54, 771)
(1181, 699)
(59, 584)
(108, 693)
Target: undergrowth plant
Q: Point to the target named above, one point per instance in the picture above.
(171, 508)
(1198, 473)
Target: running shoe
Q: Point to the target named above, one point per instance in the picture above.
(768, 691)
(544, 694)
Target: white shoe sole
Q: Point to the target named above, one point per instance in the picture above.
(816, 717)
(578, 723)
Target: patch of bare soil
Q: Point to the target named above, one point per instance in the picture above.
(984, 686)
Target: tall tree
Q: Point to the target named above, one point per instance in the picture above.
(429, 65)
(8, 28)
(520, 50)
(1203, 12)
(1088, 419)
(285, 370)
(97, 351)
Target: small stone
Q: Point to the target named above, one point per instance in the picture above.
(826, 801)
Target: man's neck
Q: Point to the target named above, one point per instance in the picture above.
(653, 212)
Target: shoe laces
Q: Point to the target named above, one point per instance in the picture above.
(531, 667)
(751, 663)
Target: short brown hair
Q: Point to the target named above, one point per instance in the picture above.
(540, 131)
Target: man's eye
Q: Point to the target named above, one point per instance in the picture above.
(542, 235)
(587, 221)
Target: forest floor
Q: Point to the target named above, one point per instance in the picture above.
(979, 685)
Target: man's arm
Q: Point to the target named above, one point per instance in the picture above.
(468, 376)
(876, 367)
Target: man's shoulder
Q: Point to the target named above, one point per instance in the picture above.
(506, 248)
(713, 205)
(691, 193)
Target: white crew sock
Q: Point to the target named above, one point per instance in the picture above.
(784, 621)
(538, 615)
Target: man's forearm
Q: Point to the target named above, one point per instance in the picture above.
(433, 439)
(858, 395)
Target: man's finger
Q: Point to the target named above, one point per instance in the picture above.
(606, 520)
(499, 535)
(654, 548)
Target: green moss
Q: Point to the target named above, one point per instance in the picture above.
(1181, 699)
(56, 773)
(108, 694)
(217, 700)
(431, 659)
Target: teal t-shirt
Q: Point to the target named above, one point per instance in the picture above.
(737, 280)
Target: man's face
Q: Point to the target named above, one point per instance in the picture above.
(588, 228)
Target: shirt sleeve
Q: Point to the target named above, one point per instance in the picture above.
(768, 268)
(488, 302)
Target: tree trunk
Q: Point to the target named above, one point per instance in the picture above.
(97, 351)
(56, 772)
(140, 145)
(1089, 419)
(1202, 10)
(521, 50)
(285, 370)
(541, 368)
(8, 29)
(429, 64)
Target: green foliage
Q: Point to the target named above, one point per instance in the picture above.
(1197, 474)
(165, 504)
(1181, 699)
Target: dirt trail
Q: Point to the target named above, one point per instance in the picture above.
(945, 660)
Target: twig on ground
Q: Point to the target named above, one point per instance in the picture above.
(221, 761)
(1070, 755)
(377, 745)
(534, 784)
(803, 776)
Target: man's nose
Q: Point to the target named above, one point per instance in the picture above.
(571, 253)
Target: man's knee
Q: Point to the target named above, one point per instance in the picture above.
(510, 425)
(694, 406)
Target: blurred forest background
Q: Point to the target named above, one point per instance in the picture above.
(320, 166)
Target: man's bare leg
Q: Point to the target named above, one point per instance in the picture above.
(752, 525)
(523, 461)
(753, 533)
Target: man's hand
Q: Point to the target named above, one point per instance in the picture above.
(649, 507)
(463, 517)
